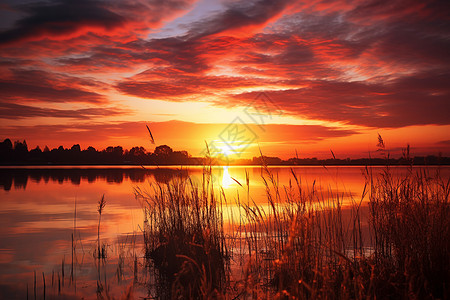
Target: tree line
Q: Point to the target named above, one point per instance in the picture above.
(17, 153)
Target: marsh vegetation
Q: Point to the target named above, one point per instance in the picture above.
(393, 241)
(242, 233)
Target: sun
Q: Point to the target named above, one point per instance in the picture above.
(226, 150)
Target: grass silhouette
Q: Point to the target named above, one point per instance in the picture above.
(304, 243)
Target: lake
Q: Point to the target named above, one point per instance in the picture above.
(49, 220)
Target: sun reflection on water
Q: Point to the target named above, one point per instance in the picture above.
(227, 181)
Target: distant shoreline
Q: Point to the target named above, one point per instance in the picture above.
(163, 155)
(161, 166)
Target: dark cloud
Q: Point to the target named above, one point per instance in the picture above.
(412, 100)
(60, 18)
(41, 85)
(238, 15)
(178, 53)
(414, 45)
(14, 90)
(181, 54)
(9, 62)
(154, 90)
(294, 54)
(149, 11)
(405, 10)
(15, 111)
(190, 53)
(65, 18)
(169, 84)
(410, 33)
(101, 58)
(288, 53)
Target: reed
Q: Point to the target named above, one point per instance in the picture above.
(184, 237)
(304, 246)
(304, 243)
(411, 227)
(101, 253)
(298, 246)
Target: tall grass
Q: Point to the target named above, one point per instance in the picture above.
(410, 221)
(318, 249)
(184, 238)
(304, 243)
(100, 249)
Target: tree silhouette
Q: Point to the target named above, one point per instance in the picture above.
(163, 151)
(18, 154)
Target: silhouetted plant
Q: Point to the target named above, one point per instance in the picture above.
(101, 251)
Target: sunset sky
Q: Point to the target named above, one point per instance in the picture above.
(284, 76)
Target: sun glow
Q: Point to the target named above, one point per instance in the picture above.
(226, 150)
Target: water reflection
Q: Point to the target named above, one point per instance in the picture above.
(226, 178)
(41, 209)
(18, 178)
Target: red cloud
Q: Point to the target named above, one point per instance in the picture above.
(33, 85)
(402, 102)
(367, 63)
(65, 19)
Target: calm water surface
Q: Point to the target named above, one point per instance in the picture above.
(49, 219)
